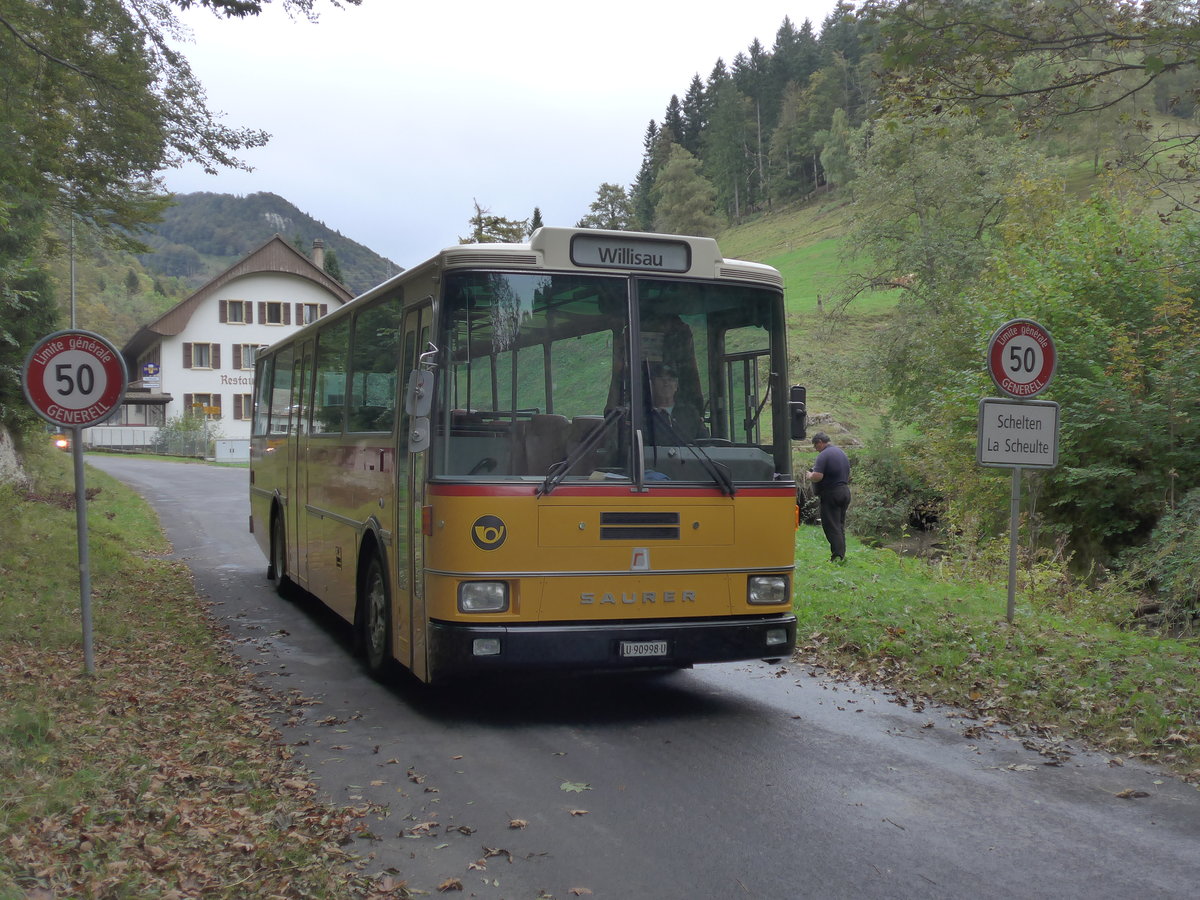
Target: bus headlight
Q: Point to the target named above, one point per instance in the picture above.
(764, 589)
(482, 597)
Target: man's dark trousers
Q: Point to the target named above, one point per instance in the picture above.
(834, 501)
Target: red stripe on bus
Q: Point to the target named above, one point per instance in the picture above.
(526, 490)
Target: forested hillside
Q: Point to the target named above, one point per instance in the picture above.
(117, 290)
(201, 234)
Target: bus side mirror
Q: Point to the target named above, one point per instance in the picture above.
(798, 411)
(418, 434)
(418, 399)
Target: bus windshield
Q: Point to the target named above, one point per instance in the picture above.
(567, 377)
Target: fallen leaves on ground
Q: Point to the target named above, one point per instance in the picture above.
(1131, 794)
(159, 776)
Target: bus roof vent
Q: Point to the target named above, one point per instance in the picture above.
(750, 272)
(484, 258)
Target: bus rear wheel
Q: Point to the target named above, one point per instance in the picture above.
(376, 619)
(277, 568)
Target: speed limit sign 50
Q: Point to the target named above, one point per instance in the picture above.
(1021, 358)
(74, 379)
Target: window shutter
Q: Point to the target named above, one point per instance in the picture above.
(187, 356)
(223, 314)
(324, 310)
(216, 401)
(216, 356)
(262, 311)
(187, 404)
(237, 406)
(249, 307)
(287, 313)
(237, 356)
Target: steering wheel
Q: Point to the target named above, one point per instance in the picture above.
(487, 464)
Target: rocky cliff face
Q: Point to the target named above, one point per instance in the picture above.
(11, 471)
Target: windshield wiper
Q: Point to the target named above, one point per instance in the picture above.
(558, 471)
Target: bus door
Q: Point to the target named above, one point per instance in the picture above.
(297, 515)
(408, 628)
(747, 376)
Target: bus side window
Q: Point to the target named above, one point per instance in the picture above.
(329, 372)
(372, 400)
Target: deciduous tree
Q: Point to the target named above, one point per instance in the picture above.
(611, 209)
(488, 228)
(96, 102)
(1048, 60)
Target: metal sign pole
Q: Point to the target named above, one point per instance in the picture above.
(85, 569)
(1013, 526)
(73, 380)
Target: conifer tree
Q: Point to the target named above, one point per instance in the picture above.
(641, 194)
(695, 116)
(332, 267)
(673, 120)
(685, 199)
(728, 154)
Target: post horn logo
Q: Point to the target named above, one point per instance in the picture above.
(488, 532)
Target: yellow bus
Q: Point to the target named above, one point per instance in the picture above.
(572, 453)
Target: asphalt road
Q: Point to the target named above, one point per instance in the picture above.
(731, 781)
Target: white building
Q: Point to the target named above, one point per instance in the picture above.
(199, 355)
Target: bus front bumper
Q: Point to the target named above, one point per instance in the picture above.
(462, 650)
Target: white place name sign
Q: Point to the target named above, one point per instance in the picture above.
(1018, 433)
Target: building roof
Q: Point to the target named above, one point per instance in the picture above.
(274, 255)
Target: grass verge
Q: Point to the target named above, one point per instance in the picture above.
(161, 775)
(935, 636)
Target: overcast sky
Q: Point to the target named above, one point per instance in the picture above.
(389, 119)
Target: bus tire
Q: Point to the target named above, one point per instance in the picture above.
(375, 619)
(277, 568)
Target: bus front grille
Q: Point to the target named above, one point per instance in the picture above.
(639, 526)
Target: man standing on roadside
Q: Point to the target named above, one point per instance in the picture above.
(830, 476)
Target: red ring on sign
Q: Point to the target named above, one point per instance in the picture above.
(97, 407)
(999, 343)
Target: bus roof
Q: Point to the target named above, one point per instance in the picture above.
(596, 249)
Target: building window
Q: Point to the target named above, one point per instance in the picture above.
(201, 356)
(243, 355)
(237, 312)
(309, 312)
(207, 405)
(243, 407)
(273, 312)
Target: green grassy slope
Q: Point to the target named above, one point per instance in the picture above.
(828, 349)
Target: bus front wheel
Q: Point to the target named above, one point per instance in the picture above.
(376, 619)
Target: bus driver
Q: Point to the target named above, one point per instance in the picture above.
(671, 422)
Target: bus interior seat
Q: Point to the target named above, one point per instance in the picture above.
(581, 429)
(545, 442)
(479, 446)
